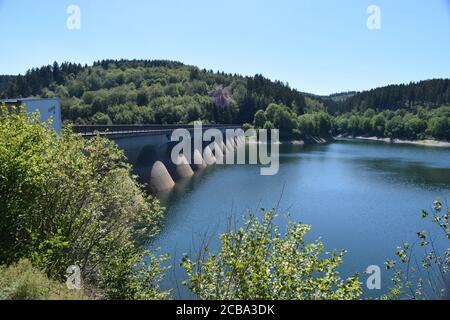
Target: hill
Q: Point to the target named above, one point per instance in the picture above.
(152, 91)
(429, 93)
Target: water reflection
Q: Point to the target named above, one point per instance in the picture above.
(184, 186)
(417, 173)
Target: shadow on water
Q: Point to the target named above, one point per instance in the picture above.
(184, 186)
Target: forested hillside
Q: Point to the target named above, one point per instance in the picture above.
(429, 93)
(144, 91)
(169, 92)
(418, 110)
(414, 111)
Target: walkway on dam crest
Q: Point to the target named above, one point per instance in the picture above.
(113, 130)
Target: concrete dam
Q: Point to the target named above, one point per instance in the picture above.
(149, 149)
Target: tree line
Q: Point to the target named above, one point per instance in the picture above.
(429, 93)
(417, 123)
(152, 91)
(5, 81)
(291, 124)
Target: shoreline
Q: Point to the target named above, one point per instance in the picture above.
(426, 142)
(311, 140)
(319, 140)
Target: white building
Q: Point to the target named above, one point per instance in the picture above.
(47, 108)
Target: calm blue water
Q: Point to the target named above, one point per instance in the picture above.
(365, 197)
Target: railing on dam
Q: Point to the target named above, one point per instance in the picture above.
(89, 130)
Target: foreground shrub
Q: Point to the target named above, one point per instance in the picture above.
(257, 262)
(22, 281)
(66, 200)
(422, 269)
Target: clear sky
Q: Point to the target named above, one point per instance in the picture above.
(318, 46)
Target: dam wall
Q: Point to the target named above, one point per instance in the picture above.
(150, 155)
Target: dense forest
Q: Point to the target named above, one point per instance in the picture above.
(414, 111)
(169, 92)
(417, 123)
(5, 81)
(418, 110)
(429, 93)
(146, 91)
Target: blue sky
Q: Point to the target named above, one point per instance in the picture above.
(317, 46)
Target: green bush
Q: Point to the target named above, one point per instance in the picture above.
(66, 200)
(22, 281)
(257, 263)
(422, 269)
